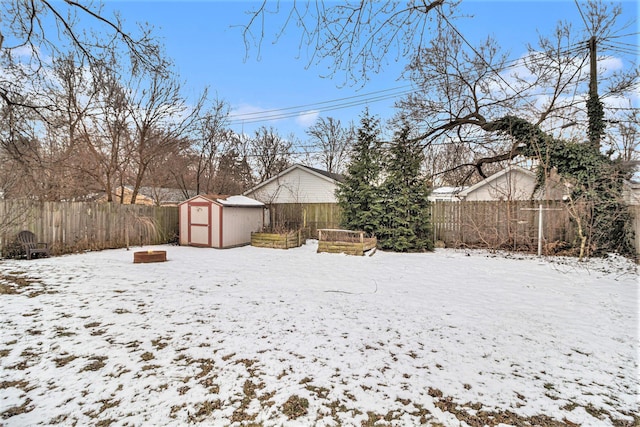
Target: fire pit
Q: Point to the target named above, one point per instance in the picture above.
(149, 256)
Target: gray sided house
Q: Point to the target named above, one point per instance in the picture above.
(300, 197)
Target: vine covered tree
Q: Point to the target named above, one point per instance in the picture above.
(595, 201)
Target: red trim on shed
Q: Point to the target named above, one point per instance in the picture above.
(220, 211)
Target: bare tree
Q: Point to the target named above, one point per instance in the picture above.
(330, 143)
(209, 136)
(233, 173)
(270, 153)
(358, 36)
(36, 30)
(465, 90)
(108, 144)
(161, 118)
(623, 138)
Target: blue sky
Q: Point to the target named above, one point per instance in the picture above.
(209, 51)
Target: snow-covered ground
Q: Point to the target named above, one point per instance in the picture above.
(273, 337)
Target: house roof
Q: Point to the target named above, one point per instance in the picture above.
(495, 176)
(332, 177)
(447, 190)
(160, 194)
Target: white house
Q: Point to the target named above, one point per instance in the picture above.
(513, 183)
(300, 197)
(219, 221)
(445, 194)
(297, 184)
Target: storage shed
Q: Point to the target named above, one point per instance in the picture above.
(219, 221)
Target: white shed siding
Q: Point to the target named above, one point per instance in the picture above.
(184, 224)
(297, 186)
(216, 214)
(238, 225)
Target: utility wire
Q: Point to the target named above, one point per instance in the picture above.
(314, 105)
(363, 99)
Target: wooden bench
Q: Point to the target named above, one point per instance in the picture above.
(31, 246)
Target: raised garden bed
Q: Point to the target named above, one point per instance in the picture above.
(345, 241)
(292, 239)
(149, 256)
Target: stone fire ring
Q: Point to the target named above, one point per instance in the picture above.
(149, 256)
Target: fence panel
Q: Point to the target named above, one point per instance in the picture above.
(308, 217)
(77, 226)
(500, 224)
(635, 212)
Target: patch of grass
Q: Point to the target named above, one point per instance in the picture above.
(17, 410)
(6, 289)
(21, 384)
(295, 407)
(146, 356)
(203, 410)
(96, 364)
(175, 409)
(249, 389)
(320, 392)
(159, 344)
(63, 361)
(63, 332)
(149, 367)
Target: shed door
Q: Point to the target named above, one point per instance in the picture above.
(200, 224)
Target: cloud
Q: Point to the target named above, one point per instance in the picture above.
(307, 118)
(609, 64)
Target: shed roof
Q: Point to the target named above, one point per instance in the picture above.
(230, 201)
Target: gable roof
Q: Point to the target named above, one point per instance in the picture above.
(495, 176)
(328, 176)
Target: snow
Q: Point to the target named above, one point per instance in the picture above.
(239, 201)
(222, 337)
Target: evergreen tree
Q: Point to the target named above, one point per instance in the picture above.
(406, 221)
(358, 195)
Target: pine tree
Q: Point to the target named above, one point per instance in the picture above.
(358, 195)
(406, 222)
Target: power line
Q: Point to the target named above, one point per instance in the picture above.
(363, 99)
(277, 115)
(313, 105)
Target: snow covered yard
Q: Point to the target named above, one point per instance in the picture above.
(252, 336)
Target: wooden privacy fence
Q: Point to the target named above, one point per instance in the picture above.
(308, 217)
(635, 212)
(502, 224)
(78, 226)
